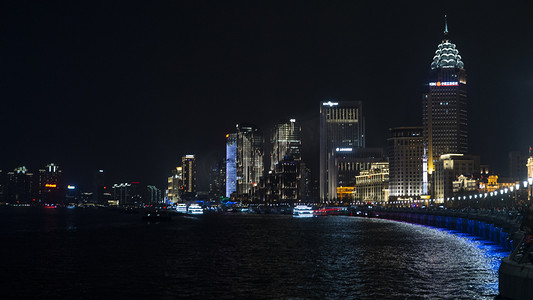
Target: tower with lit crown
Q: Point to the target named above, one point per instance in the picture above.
(445, 126)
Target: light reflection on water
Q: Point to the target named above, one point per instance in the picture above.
(244, 256)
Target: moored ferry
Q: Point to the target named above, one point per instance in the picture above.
(303, 211)
(195, 209)
(181, 208)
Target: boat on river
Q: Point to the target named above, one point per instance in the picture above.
(181, 208)
(303, 211)
(195, 209)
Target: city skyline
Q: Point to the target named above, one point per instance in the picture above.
(106, 86)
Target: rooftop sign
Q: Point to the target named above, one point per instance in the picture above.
(444, 83)
(330, 104)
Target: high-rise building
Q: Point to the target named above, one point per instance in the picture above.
(445, 105)
(373, 185)
(286, 185)
(217, 180)
(286, 141)
(127, 194)
(517, 165)
(152, 195)
(50, 188)
(341, 130)
(244, 160)
(188, 165)
(98, 195)
(351, 161)
(448, 169)
(406, 150)
(20, 186)
(231, 164)
(174, 191)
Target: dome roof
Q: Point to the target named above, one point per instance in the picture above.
(447, 56)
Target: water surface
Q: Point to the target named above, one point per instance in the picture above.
(99, 253)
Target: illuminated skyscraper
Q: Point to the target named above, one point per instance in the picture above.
(188, 165)
(244, 160)
(20, 186)
(341, 131)
(231, 163)
(406, 152)
(286, 165)
(174, 185)
(286, 141)
(445, 105)
(50, 189)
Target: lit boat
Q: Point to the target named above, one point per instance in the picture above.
(181, 208)
(195, 209)
(303, 211)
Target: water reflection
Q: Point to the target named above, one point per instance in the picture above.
(245, 256)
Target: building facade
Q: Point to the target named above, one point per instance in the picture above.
(217, 180)
(20, 187)
(188, 166)
(244, 161)
(127, 194)
(373, 185)
(231, 164)
(448, 169)
(285, 184)
(342, 130)
(445, 105)
(518, 165)
(50, 186)
(174, 187)
(286, 141)
(406, 151)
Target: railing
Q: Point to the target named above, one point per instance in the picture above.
(523, 252)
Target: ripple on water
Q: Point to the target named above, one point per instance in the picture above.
(249, 256)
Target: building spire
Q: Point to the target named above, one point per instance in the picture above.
(445, 25)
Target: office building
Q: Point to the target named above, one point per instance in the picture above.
(341, 131)
(152, 195)
(373, 185)
(406, 151)
(127, 194)
(98, 194)
(286, 184)
(231, 164)
(173, 193)
(188, 166)
(518, 165)
(445, 105)
(50, 187)
(286, 141)
(351, 161)
(217, 180)
(20, 186)
(173, 185)
(244, 161)
(448, 169)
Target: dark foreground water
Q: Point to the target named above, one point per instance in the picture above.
(99, 253)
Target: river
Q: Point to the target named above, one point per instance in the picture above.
(100, 253)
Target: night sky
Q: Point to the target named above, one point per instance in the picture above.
(131, 87)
